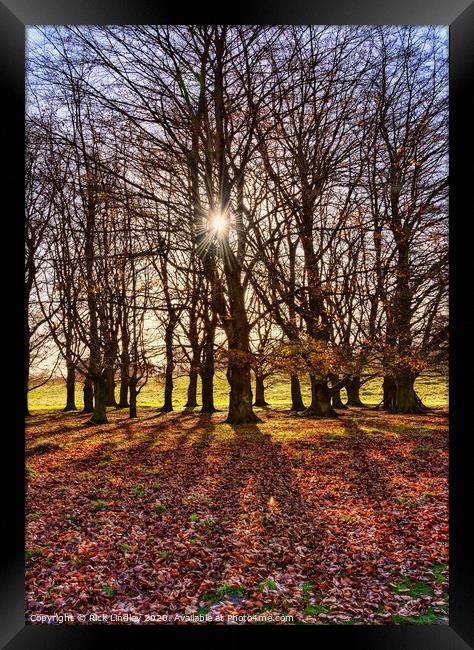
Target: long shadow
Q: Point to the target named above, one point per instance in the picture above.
(146, 437)
(260, 521)
(180, 466)
(371, 480)
(49, 416)
(267, 516)
(366, 472)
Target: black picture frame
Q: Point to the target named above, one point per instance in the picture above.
(14, 16)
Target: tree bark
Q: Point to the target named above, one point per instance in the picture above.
(99, 415)
(406, 399)
(70, 388)
(168, 403)
(27, 365)
(192, 389)
(320, 400)
(207, 371)
(336, 395)
(260, 391)
(317, 323)
(353, 391)
(193, 337)
(124, 385)
(88, 396)
(240, 396)
(133, 398)
(296, 398)
(207, 381)
(95, 378)
(389, 392)
(337, 401)
(238, 371)
(124, 368)
(210, 324)
(110, 387)
(125, 348)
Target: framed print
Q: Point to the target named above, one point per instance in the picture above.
(235, 320)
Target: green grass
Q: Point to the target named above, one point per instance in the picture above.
(428, 618)
(100, 505)
(438, 571)
(108, 590)
(432, 389)
(413, 589)
(223, 591)
(42, 448)
(314, 610)
(138, 491)
(33, 553)
(417, 589)
(269, 584)
(30, 472)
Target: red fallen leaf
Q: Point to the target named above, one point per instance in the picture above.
(152, 575)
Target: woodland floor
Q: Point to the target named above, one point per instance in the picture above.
(325, 521)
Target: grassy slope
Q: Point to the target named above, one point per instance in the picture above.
(433, 390)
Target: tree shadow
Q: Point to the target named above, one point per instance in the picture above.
(240, 503)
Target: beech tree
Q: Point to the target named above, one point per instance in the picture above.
(272, 196)
(408, 190)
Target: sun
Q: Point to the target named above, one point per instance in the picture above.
(218, 224)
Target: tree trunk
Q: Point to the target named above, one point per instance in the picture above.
(337, 401)
(207, 385)
(240, 396)
(99, 415)
(88, 396)
(207, 369)
(320, 400)
(192, 388)
(27, 367)
(70, 388)
(406, 399)
(133, 398)
(317, 321)
(207, 380)
(168, 404)
(207, 372)
(124, 385)
(237, 330)
(194, 343)
(389, 392)
(124, 370)
(336, 395)
(259, 392)
(235, 322)
(296, 398)
(110, 387)
(125, 347)
(353, 391)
